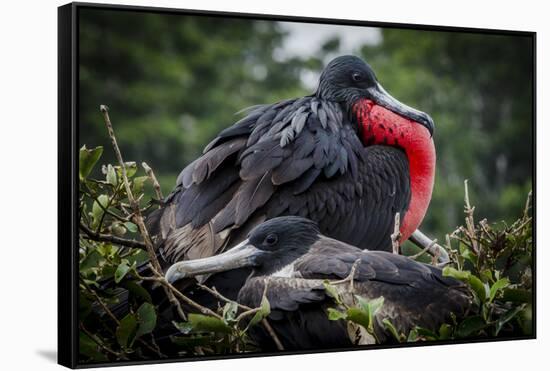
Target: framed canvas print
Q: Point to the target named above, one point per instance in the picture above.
(235, 185)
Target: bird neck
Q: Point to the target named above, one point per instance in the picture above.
(380, 126)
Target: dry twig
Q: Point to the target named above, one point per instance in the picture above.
(248, 310)
(424, 250)
(153, 178)
(134, 204)
(470, 224)
(396, 235)
(350, 277)
(100, 343)
(100, 237)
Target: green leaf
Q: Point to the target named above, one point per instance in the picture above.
(131, 168)
(147, 319)
(487, 275)
(201, 323)
(111, 175)
(332, 292)
(479, 287)
(517, 295)
(507, 317)
(126, 331)
(426, 334)
(131, 227)
(117, 229)
(525, 319)
(459, 275)
(87, 160)
(497, 287)
(92, 260)
(359, 316)
(137, 184)
(413, 336)
(137, 290)
(183, 327)
(88, 348)
(107, 250)
(371, 307)
(388, 325)
(471, 326)
(230, 311)
(91, 283)
(121, 271)
(262, 313)
(445, 331)
(137, 256)
(97, 210)
(468, 254)
(375, 305)
(335, 315)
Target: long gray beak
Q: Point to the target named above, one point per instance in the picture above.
(239, 256)
(381, 97)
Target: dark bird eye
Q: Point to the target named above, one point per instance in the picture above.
(271, 239)
(356, 76)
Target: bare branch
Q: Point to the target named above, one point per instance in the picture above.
(134, 204)
(350, 277)
(160, 279)
(423, 251)
(272, 334)
(106, 209)
(212, 291)
(103, 208)
(248, 311)
(522, 225)
(100, 301)
(100, 343)
(100, 237)
(153, 178)
(396, 235)
(470, 224)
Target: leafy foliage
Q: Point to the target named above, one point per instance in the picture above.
(495, 261)
(117, 320)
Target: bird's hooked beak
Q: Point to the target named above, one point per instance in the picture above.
(381, 97)
(239, 256)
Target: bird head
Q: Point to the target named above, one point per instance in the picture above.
(382, 119)
(269, 247)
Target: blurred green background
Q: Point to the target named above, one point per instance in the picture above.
(173, 81)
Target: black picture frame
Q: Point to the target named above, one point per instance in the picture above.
(68, 130)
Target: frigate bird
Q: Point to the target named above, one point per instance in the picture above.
(349, 157)
(292, 258)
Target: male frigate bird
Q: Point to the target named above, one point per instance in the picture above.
(292, 258)
(349, 157)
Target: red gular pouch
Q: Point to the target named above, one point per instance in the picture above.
(380, 126)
